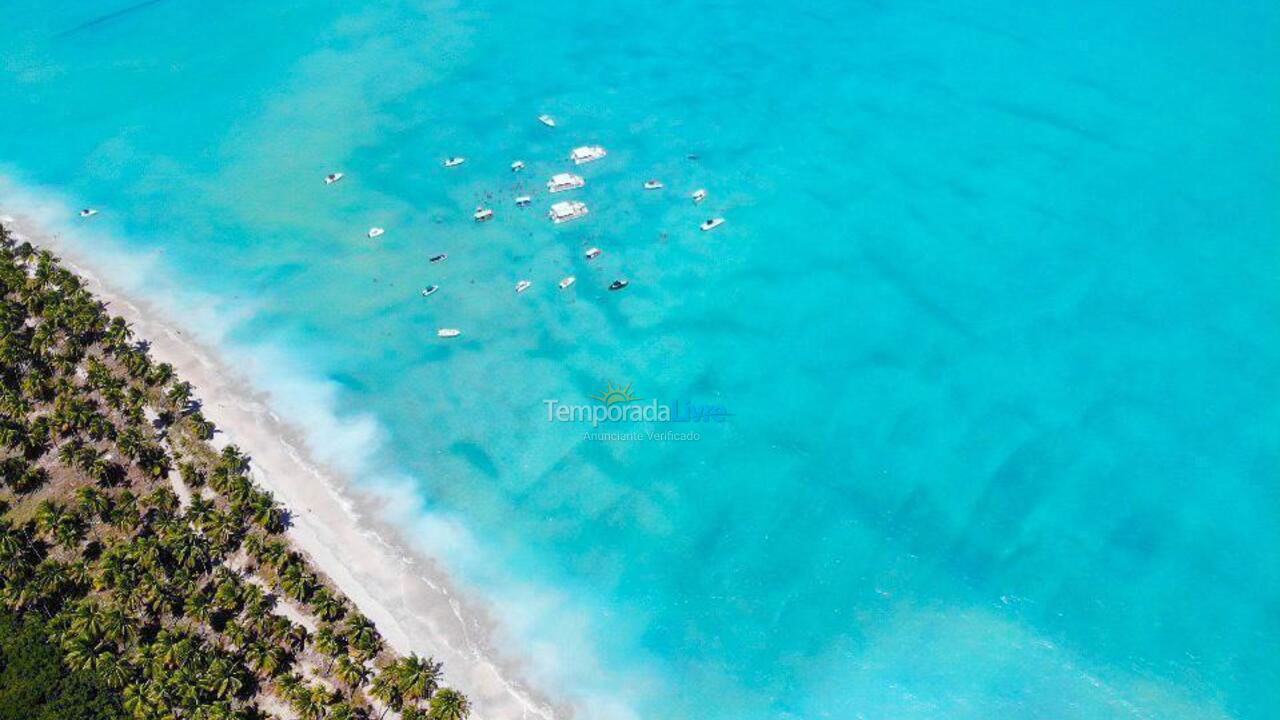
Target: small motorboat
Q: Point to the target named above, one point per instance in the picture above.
(430, 290)
(438, 258)
(565, 283)
(564, 181)
(592, 253)
(482, 214)
(563, 212)
(711, 224)
(523, 201)
(653, 185)
(454, 161)
(375, 232)
(332, 178)
(698, 196)
(547, 120)
(586, 154)
(522, 286)
(618, 284)
(517, 166)
(448, 332)
(88, 212)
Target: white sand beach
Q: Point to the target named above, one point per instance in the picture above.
(410, 599)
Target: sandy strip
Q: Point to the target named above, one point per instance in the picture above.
(409, 598)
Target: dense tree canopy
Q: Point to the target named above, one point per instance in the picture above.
(142, 573)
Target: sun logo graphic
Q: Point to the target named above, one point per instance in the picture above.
(614, 395)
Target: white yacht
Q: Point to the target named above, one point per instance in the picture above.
(563, 212)
(430, 290)
(711, 224)
(565, 283)
(586, 154)
(522, 286)
(88, 212)
(517, 166)
(564, 181)
(482, 214)
(547, 120)
(523, 201)
(592, 253)
(448, 332)
(653, 185)
(698, 196)
(454, 161)
(332, 178)
(375, 232)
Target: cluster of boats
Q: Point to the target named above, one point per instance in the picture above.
(562, 211)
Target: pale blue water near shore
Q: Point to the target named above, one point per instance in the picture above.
(996, 312)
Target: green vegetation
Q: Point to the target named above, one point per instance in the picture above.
(142, 574)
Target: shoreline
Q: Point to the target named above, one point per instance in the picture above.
(407, 595)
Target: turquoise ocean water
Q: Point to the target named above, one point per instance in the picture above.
(996, 313)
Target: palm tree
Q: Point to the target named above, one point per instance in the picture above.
(386, 689)
(350, 672)
(449, 704)
(93, 502)
(418, 677)
(327, 606)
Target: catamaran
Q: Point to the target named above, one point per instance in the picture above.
(586, 154)
(592, 253)
(563, 212)
(564, 181)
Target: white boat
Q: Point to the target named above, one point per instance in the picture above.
(517, 166)
(375, 232)
(567, 282)
(563, 212)
(711, 224)
(653, 185)
(482, 214)
(586, 154)
(88, 212)
(619, 284)
(429, 290)
(454, 161)
(522, 286)
(698, 196)
(564, 181)
(547, 120)
(332, 178)
(592, 253)
(448, 332)
(523, 201)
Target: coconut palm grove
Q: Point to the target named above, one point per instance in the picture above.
(143, 574)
